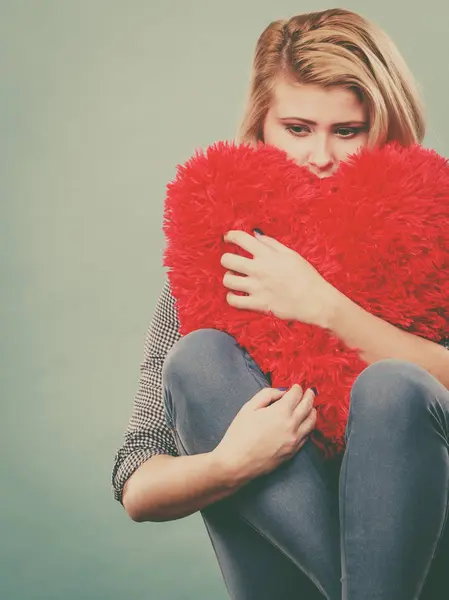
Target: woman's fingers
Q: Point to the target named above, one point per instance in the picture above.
(308, 424)
(302, 412)
(304, 408)
(292, 397)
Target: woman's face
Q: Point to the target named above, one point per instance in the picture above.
(317, 127)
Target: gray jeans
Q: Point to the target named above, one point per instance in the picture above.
(369, 525)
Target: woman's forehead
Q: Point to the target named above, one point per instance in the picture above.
(314, 102)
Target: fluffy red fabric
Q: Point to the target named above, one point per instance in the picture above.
(377, 230)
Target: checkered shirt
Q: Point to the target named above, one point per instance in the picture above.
(147, 433)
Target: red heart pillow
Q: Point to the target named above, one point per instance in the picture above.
(377, 230)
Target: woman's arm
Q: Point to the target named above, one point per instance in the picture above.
(150, 480)
(270, 428)
(377, 339)
(166, 488)
(309, 298)
(155, 484)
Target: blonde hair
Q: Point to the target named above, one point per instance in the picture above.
(336, 48)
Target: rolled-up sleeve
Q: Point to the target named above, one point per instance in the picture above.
(147, 433)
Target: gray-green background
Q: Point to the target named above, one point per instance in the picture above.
(100, 99)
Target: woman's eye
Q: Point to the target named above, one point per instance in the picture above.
(296, 129)
(342, 132)
(347, 132)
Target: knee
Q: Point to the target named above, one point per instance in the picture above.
(188, 372)
(195, 354)
(391, 391)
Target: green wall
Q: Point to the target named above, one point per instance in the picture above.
(100, 100)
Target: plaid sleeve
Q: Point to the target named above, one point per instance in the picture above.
(147, 433)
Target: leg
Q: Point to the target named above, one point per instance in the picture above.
(207, 377)
(252, 567)
(394, 481)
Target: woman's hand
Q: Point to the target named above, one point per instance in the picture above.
(278, 280)
(268, 430)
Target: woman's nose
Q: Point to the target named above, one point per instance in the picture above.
(320, 157)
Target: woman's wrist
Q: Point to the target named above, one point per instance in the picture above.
(332, 301)
(229, 473)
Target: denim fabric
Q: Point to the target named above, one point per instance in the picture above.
(369, 525)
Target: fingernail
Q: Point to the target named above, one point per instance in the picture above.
(258, 231)
(315, 391)
(283, 389)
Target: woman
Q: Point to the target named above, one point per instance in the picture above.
(208, 432)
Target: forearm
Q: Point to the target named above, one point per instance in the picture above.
(376, 339)
(166, 487)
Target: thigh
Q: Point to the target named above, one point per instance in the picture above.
(252, 567)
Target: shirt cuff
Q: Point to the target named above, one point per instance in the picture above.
(128, 466)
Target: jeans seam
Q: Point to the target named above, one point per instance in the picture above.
(270, 541)
(216, 554)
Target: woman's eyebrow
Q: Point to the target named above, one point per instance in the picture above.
(309, 122)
